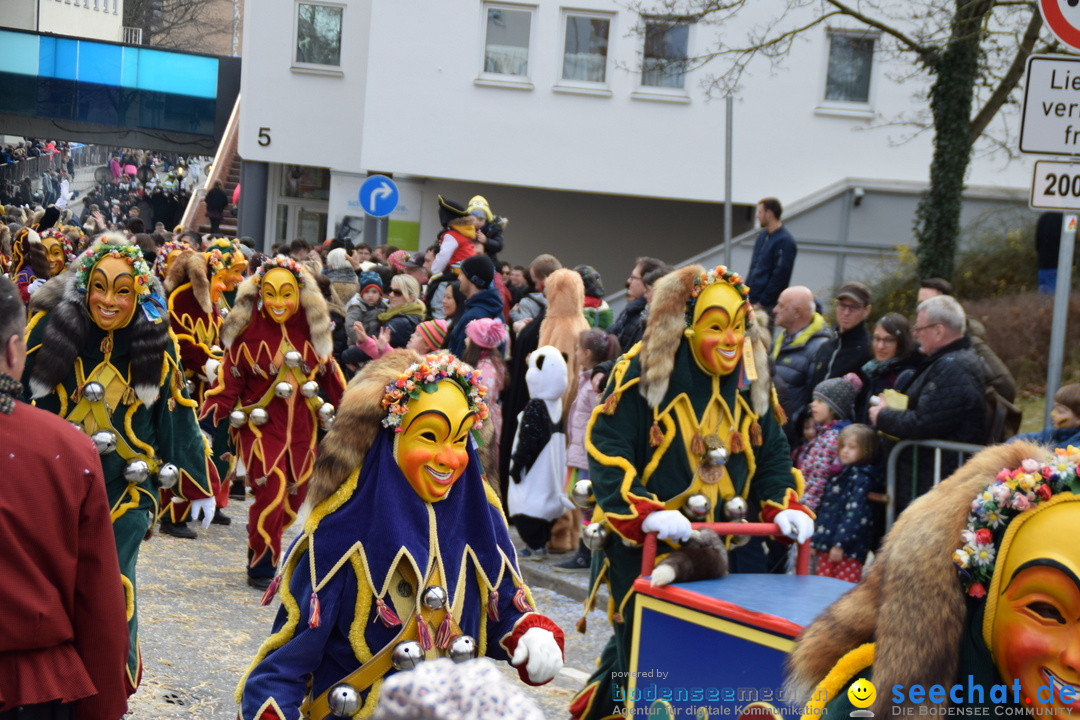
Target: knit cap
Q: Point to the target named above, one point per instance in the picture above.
(433, 332)
(397, 260)
(839, 394)
(479, 270)
(369, 278)
(486, 332)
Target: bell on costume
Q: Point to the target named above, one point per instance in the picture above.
(343, 700)
(259, 416)
(407, 655)
(434, 597)
(582, 494)
(309, 389)
(326, 416)
(293, 358)
(697, 507)
(593, 536)
(136, 471)
(462, 648)
(104, 441)
(283, 390)
(237, 418)
(93, 391)
(167, 476)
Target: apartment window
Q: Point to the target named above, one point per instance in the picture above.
(850, 62)
(585, 48)
(666, 52)
(506, 40)
(318, 34)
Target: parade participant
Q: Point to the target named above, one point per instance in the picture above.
(405, 556)
(689, 423)
(227, 266)
(278, 358)
(29, 265)
(195, 323)
(58, 250)
(456, 240)
(100, 355)
(165, 256)
(977, 587)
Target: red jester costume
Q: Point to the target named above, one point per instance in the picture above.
(277, 382)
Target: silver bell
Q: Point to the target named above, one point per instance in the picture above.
(462, 648)
(718, 456)
(326, 416)
(136, 471)
(697, 507)
(736, 509)
(343, 700)
(223, 311)
(283, 390)
(237, 418)
(407, 655)
(582, 495)
(434, 597)
(594, 535)
(259, 416)
(94, 391)
(167, 476)
(104, 441)
(190, 387)
(309, 389)
(293, 358)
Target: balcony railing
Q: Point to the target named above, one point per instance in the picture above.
(132, 36)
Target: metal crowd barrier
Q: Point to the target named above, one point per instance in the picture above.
(963, 451)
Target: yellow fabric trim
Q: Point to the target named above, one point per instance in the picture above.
(121, 506)
(129, 598)
(847, 667)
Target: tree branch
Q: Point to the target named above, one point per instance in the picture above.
(1009, 79)
(927, 55)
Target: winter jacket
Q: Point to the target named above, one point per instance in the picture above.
(845, 517)
(577, 420)
(484, 303)
(630, 325)
(368, 315)
(1054, 437)
(794, 357)
(946, 401)
(894, 373)
(818, 462)
(771, 266)
(528, 307)
(847, 352)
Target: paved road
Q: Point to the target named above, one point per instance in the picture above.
(201, 625)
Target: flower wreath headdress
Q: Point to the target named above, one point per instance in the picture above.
(424, 376)
(711, 277)
(127, 252)
(64, 240)
(1011, 493)
(222, 253)
(280, 262)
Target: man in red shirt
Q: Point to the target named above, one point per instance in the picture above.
(63, 629)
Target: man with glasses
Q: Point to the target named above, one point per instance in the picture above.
(850, 349)
(946, 398)
(630, 324)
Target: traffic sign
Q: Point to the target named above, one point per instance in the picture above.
(1056, 185)
(1050, 119)
(1063, 19)
(378, 196)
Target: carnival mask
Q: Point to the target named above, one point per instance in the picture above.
(54, 252)
(111, 293)
(280, 294)
(1034, 615)
(716, 337)
(431, 447)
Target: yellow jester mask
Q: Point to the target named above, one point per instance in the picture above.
(716, 337)
(431, 447)
(54, 252)
(280, 294)
(111, 293)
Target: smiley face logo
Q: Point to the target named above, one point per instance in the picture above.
(862, 693)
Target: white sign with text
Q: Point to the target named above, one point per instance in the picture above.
(1050, 124)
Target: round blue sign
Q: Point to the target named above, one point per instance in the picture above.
(378, 196)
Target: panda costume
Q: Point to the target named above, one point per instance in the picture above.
(535, 499)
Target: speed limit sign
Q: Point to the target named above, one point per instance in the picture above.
(1056, 186)
(1063, 19)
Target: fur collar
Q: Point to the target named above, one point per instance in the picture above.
(190, 266)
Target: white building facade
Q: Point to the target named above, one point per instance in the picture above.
(90, 19)
(583, 130)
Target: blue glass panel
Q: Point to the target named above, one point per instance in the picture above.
(67, 59)
(129, 69)
(19, 53)
(99, 63)
(177, 74)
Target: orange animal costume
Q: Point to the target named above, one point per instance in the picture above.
(277, 362)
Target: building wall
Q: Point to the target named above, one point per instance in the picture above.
(20, 14)
(91, 19)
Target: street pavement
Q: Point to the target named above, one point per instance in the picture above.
(200, 625)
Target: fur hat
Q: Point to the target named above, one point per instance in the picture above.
(839, 394)
(433, 332)
(488, 333)
(479, 270)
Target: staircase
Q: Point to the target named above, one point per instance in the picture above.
(226, 168)
(230, 181)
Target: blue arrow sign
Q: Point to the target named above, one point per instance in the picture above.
(378, 196)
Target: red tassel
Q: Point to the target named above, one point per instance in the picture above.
(271, 591)
(781, 416)
(386, 614)
(610, 403)
(583, 624)
(656, 436)
(617, 618)
(737, 443)
(493, 606)
(424, 633)
(755, 435)
(315, 616)
(697, 444)
(448, 630)
(520, 602)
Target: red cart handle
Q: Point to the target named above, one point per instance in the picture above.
(802, 561)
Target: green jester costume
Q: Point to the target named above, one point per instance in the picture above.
(688, 428)
(100, 354)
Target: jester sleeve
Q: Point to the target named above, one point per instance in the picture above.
(178, 437)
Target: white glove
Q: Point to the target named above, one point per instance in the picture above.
(668, 525)
(538, 648)
(211, 370)
(795, 524)
(205, 508)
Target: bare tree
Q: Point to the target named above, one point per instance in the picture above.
(189, 25)
(971, 52)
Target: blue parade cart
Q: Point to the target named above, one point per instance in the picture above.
(720, 645)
